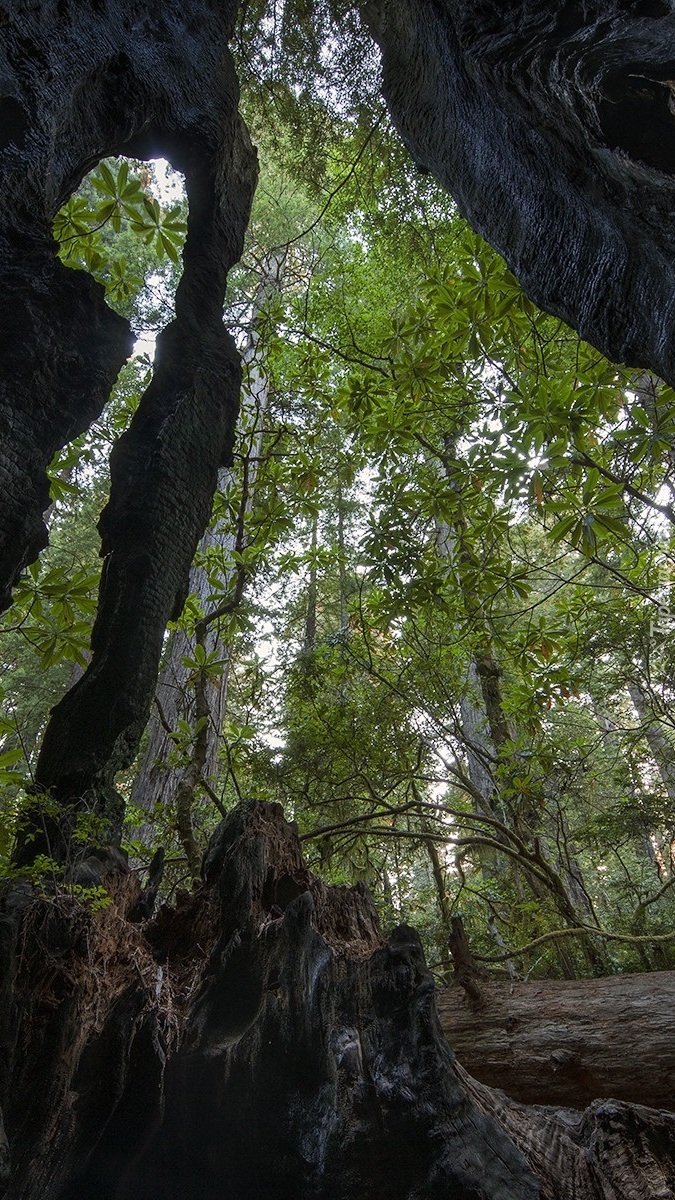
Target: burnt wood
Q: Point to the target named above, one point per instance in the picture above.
(261, 1038)
(78, 82)
(552, 123)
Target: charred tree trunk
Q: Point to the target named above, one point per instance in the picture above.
(568, 1042)
(655, 736)
(262, 1038)
(177, 698)
(551, 122)
(82, 83)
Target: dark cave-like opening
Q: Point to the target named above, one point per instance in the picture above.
(637, 115)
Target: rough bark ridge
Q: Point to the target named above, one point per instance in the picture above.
(62, 347)
(552, 124)
(81, 81)
(262, 1039)
(176, 697)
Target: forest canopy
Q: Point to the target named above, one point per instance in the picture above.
(432, 612)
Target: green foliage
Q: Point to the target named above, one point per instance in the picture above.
(114, 200)
(460, 513)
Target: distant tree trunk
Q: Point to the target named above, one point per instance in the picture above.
(155, 782)
(340, 500)
(655, 736)
(480, 752)
(309, 640)
(183, 692)
(645, 844)
(488, 736)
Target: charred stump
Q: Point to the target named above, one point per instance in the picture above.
(261, 1038)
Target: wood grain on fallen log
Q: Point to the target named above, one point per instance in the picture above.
(569, 1042)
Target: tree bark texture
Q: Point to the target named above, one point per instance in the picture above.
(568, 1042)
(657, 739)
(552, 125)
(262, 1039)
(80, 82)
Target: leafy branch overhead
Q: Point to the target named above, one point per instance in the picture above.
(116, 199)
(427, 594)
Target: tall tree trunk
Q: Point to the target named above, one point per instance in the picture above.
(184, 693)
(117, 81)
(655, 736)
(488, 735)
(341, 551)
(309, 640)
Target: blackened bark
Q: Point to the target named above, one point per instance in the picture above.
(262, 1039)
(177, 698)
(552, 124)
(304, 1055)
(138, 80)
(61, 347)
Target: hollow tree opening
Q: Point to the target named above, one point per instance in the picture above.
(125, 225)
(637, 114)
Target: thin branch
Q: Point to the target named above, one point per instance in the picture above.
(578, 931)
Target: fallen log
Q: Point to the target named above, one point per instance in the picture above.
(569, 1042)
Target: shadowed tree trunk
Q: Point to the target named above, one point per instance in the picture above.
(551, 122)
(87, 84)
(655, 736)
(183, 692)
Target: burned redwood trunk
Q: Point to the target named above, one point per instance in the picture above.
(552, 123)
(262, 1038)
(80, 82)
(553, 127)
